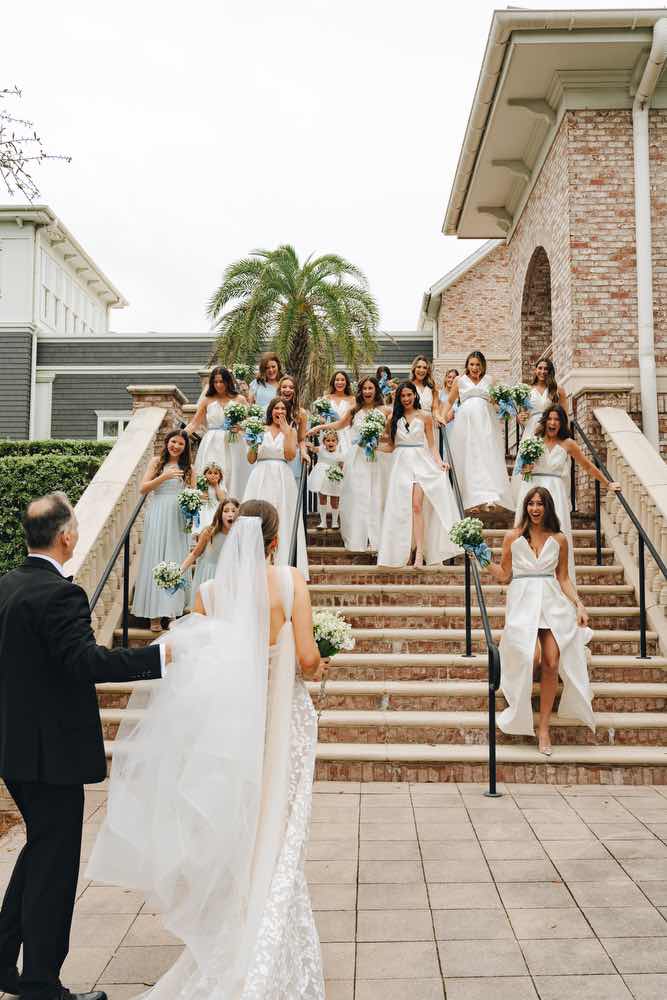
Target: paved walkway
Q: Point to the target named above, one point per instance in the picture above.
(433, 890)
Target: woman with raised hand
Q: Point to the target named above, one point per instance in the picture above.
(271, 480)
(545, 621)
(552, 472)
(342, 399)
(165, 535)
(220, 445)
(263, 388)
(447, 385)
(361, 499)
(420, 507)
(421, 376)
(476, 439)
(544, 394)
(288, 390)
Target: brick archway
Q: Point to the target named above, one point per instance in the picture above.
(535, 312)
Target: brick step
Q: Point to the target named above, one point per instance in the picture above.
(451, 640)
(583, 537)
(364, 726)
(589, 765)
(445, 617)
(438, 595)
(337, 554)
(365, 573)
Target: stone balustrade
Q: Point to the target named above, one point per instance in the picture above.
(642, 473)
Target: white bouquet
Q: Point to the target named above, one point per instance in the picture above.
(469, 534)
(501, 395)
(331, 632)
(235, 414)
(370, 433)
(521, 396)
(334, 474)
(243, 373)
(323, 410)
(168, 576)
(253, 432)
(189, 502)
(255, 410)
(530, 450)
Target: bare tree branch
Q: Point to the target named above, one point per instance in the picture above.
(20, 149)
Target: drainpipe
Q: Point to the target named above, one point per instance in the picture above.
(640, 123)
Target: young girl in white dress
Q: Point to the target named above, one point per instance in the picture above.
(225, 447)
(214, 494)
(420, 507)
(165, 536)
(329, 455)
(476, 439)
(421, 376)
(206, 552)
(545, 393)
(271, 480)
(545, 621)
(552, 472)
(342, 399)
(361, 500)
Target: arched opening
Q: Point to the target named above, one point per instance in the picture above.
(535, 312)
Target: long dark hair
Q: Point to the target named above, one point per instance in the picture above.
(383, 370)
(292, 405)
(378, 399)
(564, 431)
(348, 384)
(271, 407)
(184, 459)
(264, 360)
(480, 357)
(227, 378)
(552, 384)
(550, 521)
(428, 380)
(399, 410)
(216, 527)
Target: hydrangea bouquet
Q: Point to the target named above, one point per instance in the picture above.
(468, 533)
(189, 502)
(243, 373)
(530, 450)
(370, 433)
(334, 474)
(168, 576)
(253, 432)
(331, 632)
(521, 397)
(501, 395)
(323, 410)
(202, 484)
(255, 410)
(235, 414)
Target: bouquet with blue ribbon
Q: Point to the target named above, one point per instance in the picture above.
(167, 576)
(253, 432)
(243, 373)
(323, 411)
(235, 414)
(386, 385)
(501, 395)
(530, 450)
(255, 410)
(370, 433)
(189, 502)
(469, 534)
(521, 397)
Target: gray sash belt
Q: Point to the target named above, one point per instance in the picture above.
(272, 460)
(534, 576)
(409, 446)
(551, 475)
(475, 395)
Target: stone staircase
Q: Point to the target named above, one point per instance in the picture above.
(408, 705)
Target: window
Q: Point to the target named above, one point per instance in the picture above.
(111, 423)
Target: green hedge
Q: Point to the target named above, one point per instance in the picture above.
(24, 477)
(98, 448)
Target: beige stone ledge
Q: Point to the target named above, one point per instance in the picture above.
(157, 390)
(646, 464)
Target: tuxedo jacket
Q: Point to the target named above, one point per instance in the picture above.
(50, 727)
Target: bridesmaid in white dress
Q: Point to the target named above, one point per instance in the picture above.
(545, 392)
(216, 444)
(420, 507)
(552, 472)
(544, 619)
(361, 500)
(271, 480)
(476, 439)
(421, 376)
(342, 399)
(297, 417)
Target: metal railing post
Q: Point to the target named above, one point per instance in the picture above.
(126, 592)
(641, 559)
(573, 481)
(493, 671)
(598, 526)
(466, 563)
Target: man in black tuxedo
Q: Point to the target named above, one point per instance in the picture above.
(50, 742)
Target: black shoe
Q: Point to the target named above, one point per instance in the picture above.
(10, 981)
(95, 995)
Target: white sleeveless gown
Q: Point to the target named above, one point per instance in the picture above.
(540, 401)
(414, 464)
(271, 479)
(478, 447)
(342, 407)
(361, 498)
(212, 445)
(552, 472)
(535, 600)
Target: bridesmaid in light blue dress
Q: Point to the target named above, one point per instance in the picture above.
(166, 536)
(265, 386)
(207, 550)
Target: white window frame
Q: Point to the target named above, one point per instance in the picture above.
(109, 415)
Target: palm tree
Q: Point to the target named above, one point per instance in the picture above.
(308, 313)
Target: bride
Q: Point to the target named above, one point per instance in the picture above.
(211, 786)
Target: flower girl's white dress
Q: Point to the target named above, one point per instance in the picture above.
(478, 447)
(535, 600)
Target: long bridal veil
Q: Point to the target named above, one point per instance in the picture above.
(186, 784)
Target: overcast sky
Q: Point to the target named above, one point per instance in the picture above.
(202, 130)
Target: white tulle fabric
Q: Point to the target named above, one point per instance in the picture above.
(535, 600)
(210, 796)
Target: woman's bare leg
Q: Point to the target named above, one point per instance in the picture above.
(548, 685)
(418, 522)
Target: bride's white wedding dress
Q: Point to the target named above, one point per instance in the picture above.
(210, 795)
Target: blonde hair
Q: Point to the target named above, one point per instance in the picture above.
(330, 432)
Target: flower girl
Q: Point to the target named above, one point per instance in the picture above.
(214, 493)
(207, 550)
(326, 478)
(166, 536)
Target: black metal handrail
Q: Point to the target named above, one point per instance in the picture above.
(644, 540)
(124, 544)
(471, 568)
(301, 511)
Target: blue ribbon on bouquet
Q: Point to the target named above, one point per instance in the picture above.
(181, 585)
(369, 448)
(482, 553)
(253, 438)
(506, 409)
(385, 388)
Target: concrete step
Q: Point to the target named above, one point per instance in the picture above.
(337, 554)
(394, 616)
(365, 573)
(336, 594)
(583, 537)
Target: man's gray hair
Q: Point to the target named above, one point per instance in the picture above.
(44, 519)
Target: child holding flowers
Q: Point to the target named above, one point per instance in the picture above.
(327, 477)
(207, 550)
(210, 486)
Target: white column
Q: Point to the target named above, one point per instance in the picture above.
(43, 401)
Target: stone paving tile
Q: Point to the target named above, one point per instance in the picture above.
(655, 891)
(389, 850)
(461, 896)
(332, 850)
(147, 930)
(467, 958)
(397, 960)
(637, 954)
(109, 899)
(390, 831)
(394, 925)
(576, 850)
(436, 800)
(338, 960)
(387, 814)
(416, 989)
(393, 897)
(462, 925)
(333, 897)
(566, 957)
(336, 787)
(647, 869)
(626, 921)
(335, 925)
(334, 831)
(507, 988)
(386, 801)
(534, 895)
(550, 923)
(606, 894)
(451, 850)
(591, 871)
(523, 871)
(648, 987)
(446, 831)
(143, 965)
(99, 930)
(331, 872)
(595, 987)
(621, 831)
(403, 872)
(457, 871)
(124, 991)
(338, 989)
(518, 850)
(86, 965)
(625, 850)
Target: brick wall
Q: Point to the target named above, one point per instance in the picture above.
(658, 153)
